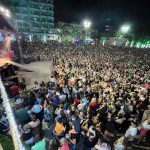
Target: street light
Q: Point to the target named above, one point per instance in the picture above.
(7, 15)
(2, 9)
(125, 29)
(5, 12)
(87, 24)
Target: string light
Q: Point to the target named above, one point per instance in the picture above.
(12, 123)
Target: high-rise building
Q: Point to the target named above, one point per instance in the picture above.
(108, 28)
(33, 18)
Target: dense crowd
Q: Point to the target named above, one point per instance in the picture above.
(39, 51)
(98, 98)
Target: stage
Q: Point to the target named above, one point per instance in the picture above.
(36, 71)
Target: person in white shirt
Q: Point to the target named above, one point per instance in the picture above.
(65, 90)
(119, 144)
(50, 93)
(101, 146)
(36, 86)
(75, 90)
(146, 124)
(34, 122)
(62, 97)
(81, 106)
(146, 114)
(53, 79)
(132, 131)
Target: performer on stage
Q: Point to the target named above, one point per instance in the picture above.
(5, 53)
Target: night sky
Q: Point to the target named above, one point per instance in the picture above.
(134, 12)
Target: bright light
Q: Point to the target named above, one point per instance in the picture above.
(5, 12)
(138, 45)
(44, 38)
(132, 44)
(127, 43)
(87, 24)
(7, 15)
(30, 38)
(115, 42)
(2, 9)
(103, 42)
(125, 28)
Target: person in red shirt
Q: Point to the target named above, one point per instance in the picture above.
(146, 85)
(76, 101)
(14, 90)
(93, 104)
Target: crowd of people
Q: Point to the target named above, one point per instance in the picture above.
(39, 51)
(98, 98)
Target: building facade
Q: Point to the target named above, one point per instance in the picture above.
(33, 18)
(74, 31)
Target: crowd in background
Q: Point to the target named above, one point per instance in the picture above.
(98, 98)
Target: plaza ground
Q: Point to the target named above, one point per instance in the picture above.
(36, 71)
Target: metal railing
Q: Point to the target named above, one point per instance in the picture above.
(11, 119)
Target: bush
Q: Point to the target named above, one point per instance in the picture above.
(6, 142)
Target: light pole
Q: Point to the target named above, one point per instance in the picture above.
(16, 24)
(5, 11)
(6, 15)
(86, 24)
(124, 29)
